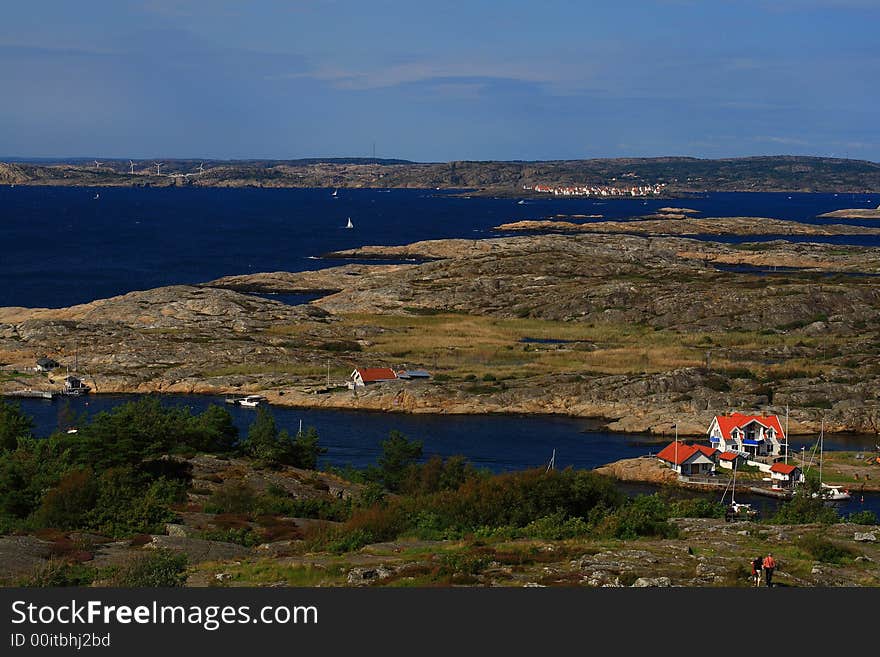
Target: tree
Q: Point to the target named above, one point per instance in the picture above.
(306, 449)
(266, 443)
(219, 431)
(13, 425)
(398, 454)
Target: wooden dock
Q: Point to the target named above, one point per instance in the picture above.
(31, 394)
(770, 492)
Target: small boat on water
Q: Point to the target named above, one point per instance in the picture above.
(251, 401)
(335, 193)
(349, 224)
(827, 491)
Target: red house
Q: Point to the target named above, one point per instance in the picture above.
(364, 376)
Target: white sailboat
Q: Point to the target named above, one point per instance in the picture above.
(827, 491)
(737, 510)
(335, 192)
(349, 224)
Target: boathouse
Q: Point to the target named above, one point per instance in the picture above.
(731, 460)
(753, 435)
(688, 460)
(46, 364)
(364, 376)
(786, 474)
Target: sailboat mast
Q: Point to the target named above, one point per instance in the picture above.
(786, 434)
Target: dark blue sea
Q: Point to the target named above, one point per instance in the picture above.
(62, 246)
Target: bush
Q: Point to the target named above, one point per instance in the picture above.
(233, 497)
(512, 501)
(67, 505)
(162, 568)
(821, 549)
(862, 518)
(555, 527)
(805, 509)
(239, 535)
(697, 507)
(645, 515)
(60, 573)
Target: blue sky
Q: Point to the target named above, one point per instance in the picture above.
(440, 81)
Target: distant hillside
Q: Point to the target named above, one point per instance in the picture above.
(680, 174)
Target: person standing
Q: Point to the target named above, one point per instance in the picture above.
(769, 565)
(757, 564)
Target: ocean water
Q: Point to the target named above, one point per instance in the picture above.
(61, 246)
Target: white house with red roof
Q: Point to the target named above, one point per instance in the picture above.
(731, 460)
(688, 460)
(753, 435)
(786, 474)
(364, 376)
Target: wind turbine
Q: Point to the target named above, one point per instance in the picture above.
(98, 164)
(131, 167)
(201, 167)
(158, 164)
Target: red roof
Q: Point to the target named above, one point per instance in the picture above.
(728, 456)
(708, 451)
(728, 422)
(782, 468)
(683, 452)
(373, 374)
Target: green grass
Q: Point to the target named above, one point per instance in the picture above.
(271, 572)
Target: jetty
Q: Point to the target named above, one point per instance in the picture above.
(31, 394)
(778, 493)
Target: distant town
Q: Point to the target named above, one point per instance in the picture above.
(599, 190)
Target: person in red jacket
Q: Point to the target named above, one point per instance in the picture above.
(769, 566)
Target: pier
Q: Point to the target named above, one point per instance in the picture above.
(31, 394)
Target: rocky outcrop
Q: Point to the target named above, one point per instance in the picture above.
(687, 225)
(855, 213)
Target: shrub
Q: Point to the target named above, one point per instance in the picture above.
(697, 507)
(645, 515)
(162, 568)
(60, 573)
(233, 497)
(556, 526)
(865, 517)
(66, 505)
(240, 535)
(804, 509)
(821, 549)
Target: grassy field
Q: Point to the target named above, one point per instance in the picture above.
(462, 345)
